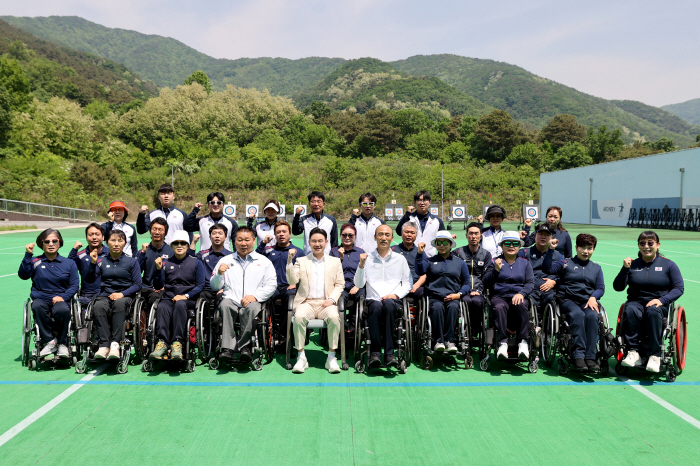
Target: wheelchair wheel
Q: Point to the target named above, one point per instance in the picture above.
(426, 362)
(146, 366)
(27, 332)
(140, 332)
(203, 326)
(190, 365)
(123, 366)
(678, 333)
(408, 335)
(360, 366)
(137, 307)
(548, 347)
(213, 364)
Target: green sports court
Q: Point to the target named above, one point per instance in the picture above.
(442, 416)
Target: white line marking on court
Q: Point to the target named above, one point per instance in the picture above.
(9, 275)
(26, 422)
(611, 265)
(636, 247)
(681, 414)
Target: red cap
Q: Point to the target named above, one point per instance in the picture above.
(116, 205)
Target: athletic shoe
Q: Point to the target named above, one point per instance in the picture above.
(332, 365)
(102, 353)
(301, 365)
(160, 351)
(632, 359)
(114, 351)
(439, 347)
(654, 364)
(451, 347)
(580, 365)
(246, 357)
(48, 350)
(176, 351)
(226, 356)
(390, 360)
(502, 351)
(375, 360)
(592, 365)
(523, 351)
(63, 352)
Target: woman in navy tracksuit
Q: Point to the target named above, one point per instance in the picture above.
(511, 281)
(579, 288)
(560, 234)
(653, 282)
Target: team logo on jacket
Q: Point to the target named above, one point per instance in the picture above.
(658, 269)
(480, 263)
(165, 256)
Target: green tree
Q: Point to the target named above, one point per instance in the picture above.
(18, 51)
(200, 77)
(318, 109)
(572, 155)
(662, 145)
(536, 156)
(603, 144)
(427, 144)
(496, 134)
(257, 159)
(561, 130)
(334, 171)
(98, 109)
(5, 116)
(12, 78)
(411, 121)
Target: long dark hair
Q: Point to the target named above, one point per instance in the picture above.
(560, 226)
(647, 235)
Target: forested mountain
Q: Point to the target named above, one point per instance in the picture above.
(53, 70)
(689, 111)
(168, 62)
(659, 117)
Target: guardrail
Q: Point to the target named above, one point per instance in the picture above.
(31, 209)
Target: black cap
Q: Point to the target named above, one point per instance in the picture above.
(495, 209)
(544, 227)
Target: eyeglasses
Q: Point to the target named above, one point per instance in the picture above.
(511, 244)
(368, 204)
(422, 201)
(215, 202)
(648, 243)
(176, 244)
(347, 235)
(443, 243)
(51, 241)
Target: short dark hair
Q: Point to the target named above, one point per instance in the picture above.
(281, 223)
(42, 236)
(320, 231)
(424, 194)
(218, 226)
(584, 239)
(244, 229)
(118, 233)
(318, 194)
(159, 221)
(474, 225)
(370, 196)
(95, 225)
(219, 196)
(166, 188)
(348, 225)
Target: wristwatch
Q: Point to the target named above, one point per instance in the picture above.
(187, 295)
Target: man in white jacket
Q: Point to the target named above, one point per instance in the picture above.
(248, 279)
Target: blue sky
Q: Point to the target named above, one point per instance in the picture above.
(637, 50)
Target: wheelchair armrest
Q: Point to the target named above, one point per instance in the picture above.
(341, 303)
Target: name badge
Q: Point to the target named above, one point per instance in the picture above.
(658, 269)
(43, 266)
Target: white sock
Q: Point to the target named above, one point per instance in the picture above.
(301, 355)
(331, 354)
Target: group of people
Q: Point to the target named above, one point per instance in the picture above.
(239, 267)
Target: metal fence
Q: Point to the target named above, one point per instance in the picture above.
(47, 211)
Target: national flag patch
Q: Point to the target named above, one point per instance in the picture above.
(658, 269)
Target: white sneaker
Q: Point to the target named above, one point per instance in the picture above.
(632, 359)
(654, 364)
(48, 350)
(451, 347)
(332, 365)
(502, 351)
(114, 351)
(63, 352)
(439, 347)
(523, 351)
(301, 365)
(102, 353)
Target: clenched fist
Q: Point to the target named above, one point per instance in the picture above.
(553, 243)
(144, 209)
(77, 245)
(30, 248)
(267, 239)
(110, 214)
(523, 234)
(421, 248)
(199, 205)
(144, 248)
(356, 212)
(195, 238)
(627, 263)
(341, 253)
(290, 257)
(528, 221)
(93, 256)
(363, 259)
(223, 268)
(159, 263)
(300, 209)
(497, 264)
(411, 209)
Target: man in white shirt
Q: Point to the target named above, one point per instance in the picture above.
(388, 280)
(244, 271)
(320, 282)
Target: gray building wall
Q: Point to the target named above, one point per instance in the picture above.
(653, 182)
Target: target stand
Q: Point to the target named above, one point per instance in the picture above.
(458, 213)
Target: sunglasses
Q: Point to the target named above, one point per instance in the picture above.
(511, 244)
(176, 244)
(51, 241)
(347, 235)
(648, 243)
(368, 204)
(215, 202)
(443, 243)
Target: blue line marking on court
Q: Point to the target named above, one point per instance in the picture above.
(582, 383)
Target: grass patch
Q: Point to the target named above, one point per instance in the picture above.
(17, 227)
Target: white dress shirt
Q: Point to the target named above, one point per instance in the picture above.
(384, 276)
(317, 288)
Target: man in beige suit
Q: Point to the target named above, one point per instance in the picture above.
(320, 282)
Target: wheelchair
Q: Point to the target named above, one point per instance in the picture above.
(261, 338)
(557, 339)
(402, 336)
(488, 337)
(315, 324)
(147, 328)
(425, 343)
(31, 345)
(673, 343)
(88, 339)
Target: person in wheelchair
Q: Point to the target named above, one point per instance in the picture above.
(580, 287)
(147, 259)
(248, 279)
(544, 282)
(218, 234)
(653, 282)
(94, 234)
(349, 256)
(447, 279)
(182, 279)
(511, 281)
(409, 250)
(478, 261)
(55, 280)
(120, 281)
(388, 280)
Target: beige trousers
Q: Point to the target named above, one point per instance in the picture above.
(313, 309)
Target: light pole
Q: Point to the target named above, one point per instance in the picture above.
(442, 196)
(172, 175)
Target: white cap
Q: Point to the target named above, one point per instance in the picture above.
(180, 235)
(512, 236)
(444, 234)
(271, 206)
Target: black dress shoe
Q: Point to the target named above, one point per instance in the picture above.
(375, 360)
(246, 357)
(226, 356)
(592, 365)
(580, 365)
(390, 360)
